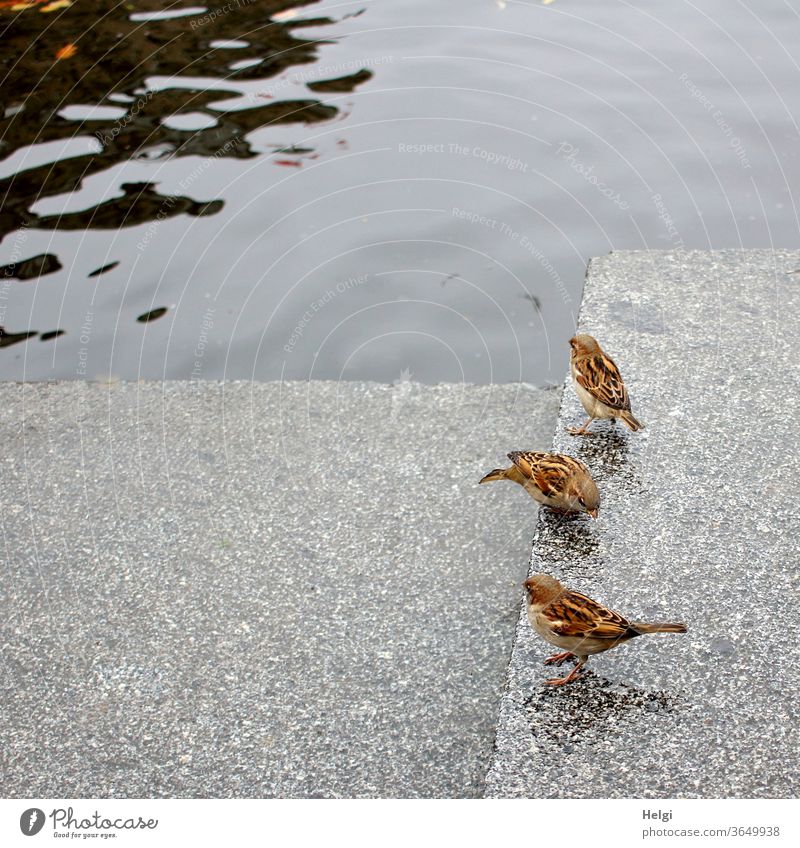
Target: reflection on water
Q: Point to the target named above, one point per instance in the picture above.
(31, 269)
(90, 87)
(135, 79)
(7, 339)
(349, 189)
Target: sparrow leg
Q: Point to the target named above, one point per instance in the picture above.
(557, 659)
(560, 681)
(580, 431)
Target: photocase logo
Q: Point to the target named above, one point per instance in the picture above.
(31, 821)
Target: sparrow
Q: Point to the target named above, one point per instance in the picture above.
(598, 384)
(553, 479)
(579, 625)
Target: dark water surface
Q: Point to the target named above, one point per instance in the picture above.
(369, 190)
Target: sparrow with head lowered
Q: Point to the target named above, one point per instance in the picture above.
(553, 479)
(599, 385)
(578, 625)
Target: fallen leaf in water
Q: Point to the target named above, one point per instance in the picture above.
(289, 162)
(67, 51)
(23, 5)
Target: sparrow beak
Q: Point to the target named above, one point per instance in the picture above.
(593, 513)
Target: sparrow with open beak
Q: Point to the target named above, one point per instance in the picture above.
(599, 385)
(553, 479)
(578, 625)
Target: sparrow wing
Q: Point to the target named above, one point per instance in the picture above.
(576, 615)
(601, 378)
(549, 471)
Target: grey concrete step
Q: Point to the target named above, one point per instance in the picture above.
(257, 589)
(699, 523)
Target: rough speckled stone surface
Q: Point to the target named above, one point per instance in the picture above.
(257, 589)
(699, 523)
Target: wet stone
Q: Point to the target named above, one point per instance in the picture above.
(697, 524)
(208, 592)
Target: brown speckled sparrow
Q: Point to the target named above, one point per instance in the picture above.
(598, 384)
(578, 625)
(553, 479)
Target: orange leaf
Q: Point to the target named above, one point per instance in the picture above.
(66, 51)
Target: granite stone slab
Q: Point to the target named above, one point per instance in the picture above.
(257, 590)
(699, 523)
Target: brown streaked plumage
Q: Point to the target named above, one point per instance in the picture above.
(578, 625)
(553, 479)
(598, 384)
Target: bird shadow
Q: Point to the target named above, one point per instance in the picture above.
(574, 534)
(607, 451)
(609, 455)
(592, 707)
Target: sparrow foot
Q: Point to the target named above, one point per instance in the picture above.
(560, 681)
(558, 659)
(581, 431)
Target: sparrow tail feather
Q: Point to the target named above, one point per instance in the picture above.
(632, 422)
(664, 627)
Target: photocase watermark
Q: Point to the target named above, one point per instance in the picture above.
(719, 119)
(66, 825)
(570, 154)
(666, 217)
(206, 325)
(518, 237)
(505, 160)
(330, 295)
(219, 12)
(32, 821)
(183, 185)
